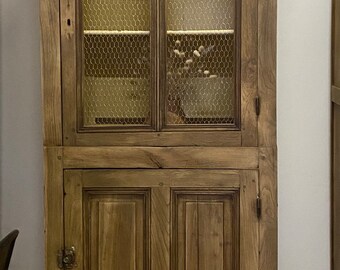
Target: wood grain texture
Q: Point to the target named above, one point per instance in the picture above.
(50, 72)
(335, 44)
(205, 229)
(73, 215)
(249, 69)
(335, 95)
(159, 157)
(160, 228)
(249, 227)
(69, 70)
(336, 188)
(268, 222)
(267, 72)
(161, 178)
(54, 224)
(220, 138)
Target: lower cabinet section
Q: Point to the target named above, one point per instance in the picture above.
(162, 219)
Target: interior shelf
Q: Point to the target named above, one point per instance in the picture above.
(200, 32)
(169, 32)
(115, 32)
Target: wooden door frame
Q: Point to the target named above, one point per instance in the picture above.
(53, 130)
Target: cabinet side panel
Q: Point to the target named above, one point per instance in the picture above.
(336, 186)
(267, 72)
(54, 231)
(50, 72)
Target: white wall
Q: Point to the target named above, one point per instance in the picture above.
(21, 197)
(303, 114)
(304, 134)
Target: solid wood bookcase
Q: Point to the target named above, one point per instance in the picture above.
(160, 134)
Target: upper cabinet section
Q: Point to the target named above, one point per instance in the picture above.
(156, 66)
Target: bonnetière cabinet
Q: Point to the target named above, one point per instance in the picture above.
(160, 134)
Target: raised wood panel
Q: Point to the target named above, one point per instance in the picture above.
(109, 227)
(158, 157)
(117, 235)
(205, 228)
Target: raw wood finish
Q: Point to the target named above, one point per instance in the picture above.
(73, 216)
(160, 227)
(336, 95)
(54, 193)
(161, 178)
(249, 70)
(267, 10)
(159, 157)
(68, 26)
(117, 229)
(336, 187)
(249, 225)
(50, 72)
(110, 227)
(219, 138)
(268, 221)
(205, 229)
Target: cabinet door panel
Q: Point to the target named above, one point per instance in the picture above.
(162, 219)
(205, 228)
(201, 63)
(116, 230)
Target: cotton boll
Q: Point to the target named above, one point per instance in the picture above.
(196, 53)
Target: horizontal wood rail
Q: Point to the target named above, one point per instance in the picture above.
(161, 157)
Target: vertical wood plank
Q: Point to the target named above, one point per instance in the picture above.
(211, 235)
(249, 72)
(160, 228)
(50, 72)
(268, 222)
(73, 214)
(336, 188)
(249, 227)
(188, 236)
(54, 230)
(69, 70)
(267, 72)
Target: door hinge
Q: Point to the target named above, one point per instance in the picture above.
(257, 105)
(258, 207)
(66, 258)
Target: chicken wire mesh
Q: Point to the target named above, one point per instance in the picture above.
(200, 62)
(116, 62)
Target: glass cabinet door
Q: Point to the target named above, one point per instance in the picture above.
(116, 61)
(159, 64)
(201, 63)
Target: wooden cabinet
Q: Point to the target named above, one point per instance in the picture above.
(160, 134)
(143, 219)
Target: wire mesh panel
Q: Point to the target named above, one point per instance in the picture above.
(200, 62)
(116, 87)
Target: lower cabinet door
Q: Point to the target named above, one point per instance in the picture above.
(162, 219)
